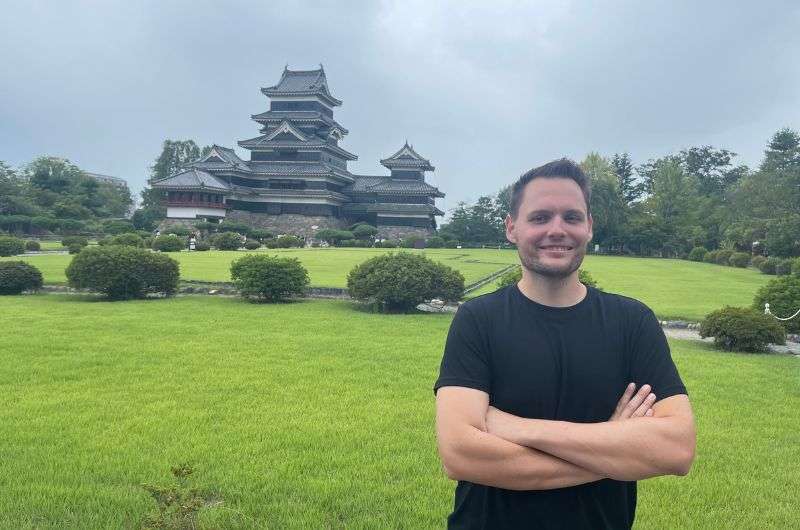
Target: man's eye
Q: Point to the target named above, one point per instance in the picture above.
(539, 219)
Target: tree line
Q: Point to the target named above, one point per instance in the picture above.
(698, 197)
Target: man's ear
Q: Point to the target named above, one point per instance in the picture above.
(591, 224)
(512, 238)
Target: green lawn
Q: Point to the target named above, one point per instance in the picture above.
(672, 288)
(314, 415)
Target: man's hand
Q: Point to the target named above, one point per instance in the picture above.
(630, 406)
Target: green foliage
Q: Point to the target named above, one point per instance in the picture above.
(181, 231)
(117, 226)
(435, 242)
(269, 278)
(723, 257)
(400, 282)
(697, 254)
(129, 239)
(783, 296)
(711, 256)
(168, 243)
(11, 246)
(260, 234)
(178, 505)
(19, 276)
(412, 241)
(739, 259)
(782, 237)
(227, 241)
(783, 267)
(513, 277)
(796, 266)
(481, 223)
(364, 231)
(121, 272)
(252, 244)
(742, 329)
(289, 242)
(607, 203)
(72, 242)
(33, 246)
(202, 246)
(235, 226)
(757, 260)
(206, 226)
(769, 265)
(334, 236)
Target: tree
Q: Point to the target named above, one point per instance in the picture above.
(607, 204)
(481, 223)
(630, 189)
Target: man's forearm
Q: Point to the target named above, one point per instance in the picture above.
(484, 458)
(628, 450)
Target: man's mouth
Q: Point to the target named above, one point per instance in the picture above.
(556, 248)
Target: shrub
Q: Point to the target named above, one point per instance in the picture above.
(796, 267)
(389, 244)
(435, 242)
(711, 256)
(739, 259)
(697, 254)
(783, 267)
(168, 243)
(757, 260)
(769, 265)
(411, 241)
(128, 239)
(33, 246)
(400, 282)
(75, 241)
(289, 242)
(147, 242)
(11, 246)
(205, 225)
(364, 231)
(180, 231)
(452, 244)
(235, 226)
(18, 276)
(252, 244)
(742, 329)
(723, 257)
(783, 296)
(271, 243)
(260, 234)
(269, 278)
(202, 246)
(117, 226)
(121, 272)
(515, 275)
(585, 277)
(227, 241)
(107, 240)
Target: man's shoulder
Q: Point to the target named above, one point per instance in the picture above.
(487, 304)
(625, 304)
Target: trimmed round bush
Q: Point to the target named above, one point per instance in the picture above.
(103, 241)
(400, 282)
(769, 265)
(168, 243)
(260, 234)
(411, 241)
(364, 231)
(202, 246)
(742, 329)
(128, 239)
(33, 246)
(11, 246)
(783, 296)
(697, 254)
(180, 231)
(227, 241)
(739, 259)
(269, 278)
(723, 257)
(757, 260)
(711, 256)
(289, 242)
(19, 276)
(122, 273)
(75, 241)
(783, 267)
(435, 242)
(252, 244)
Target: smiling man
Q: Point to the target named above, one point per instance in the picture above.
(554, 398)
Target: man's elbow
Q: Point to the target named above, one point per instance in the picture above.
(683, 462)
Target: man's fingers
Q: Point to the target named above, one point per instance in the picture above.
(649, 413)
(636, 401)
(645, 406)
(626, 396)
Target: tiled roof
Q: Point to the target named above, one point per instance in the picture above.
(381, 184)
(302, 83)
(297, 115)
(314, 141)
(192, 179)
(407, 157)
(389, 207)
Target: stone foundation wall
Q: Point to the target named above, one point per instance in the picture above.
(401, 232)
(286, 223)
(166, 224)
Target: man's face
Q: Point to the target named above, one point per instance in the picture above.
(552, 227)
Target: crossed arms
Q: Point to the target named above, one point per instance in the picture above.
(484, 445)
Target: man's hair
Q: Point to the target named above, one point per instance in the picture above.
(563, 168)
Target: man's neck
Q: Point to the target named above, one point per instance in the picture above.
(553, 292)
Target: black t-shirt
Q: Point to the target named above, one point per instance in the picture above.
(555, 363)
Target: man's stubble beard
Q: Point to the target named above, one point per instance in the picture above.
(532, 263)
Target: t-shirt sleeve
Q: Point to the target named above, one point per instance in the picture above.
(651, 362)
(466, 359)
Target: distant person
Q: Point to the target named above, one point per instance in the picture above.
(554, 398)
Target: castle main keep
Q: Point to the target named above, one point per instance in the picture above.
(297, 181)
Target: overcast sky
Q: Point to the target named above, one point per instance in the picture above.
(485, 90)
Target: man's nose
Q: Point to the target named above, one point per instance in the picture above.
(556, 228)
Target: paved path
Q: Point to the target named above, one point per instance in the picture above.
(690, 334)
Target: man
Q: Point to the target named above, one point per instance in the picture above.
(554, 398)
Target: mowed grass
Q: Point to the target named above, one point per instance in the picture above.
(314, 415)
(674, 289)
